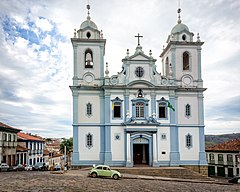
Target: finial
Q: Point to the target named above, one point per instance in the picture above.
(101, 34)
(88, 8)
(75, 33)
(150, 53)
(127, 52)
(198, 38)
(179, 11)
(106, 71)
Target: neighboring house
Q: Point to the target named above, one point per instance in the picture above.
(22, 155)
(8, 144)
(46, 156)
(138, 116)
(56, 159)
(224, 159)
(34, 144)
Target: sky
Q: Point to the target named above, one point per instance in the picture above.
(36, 56)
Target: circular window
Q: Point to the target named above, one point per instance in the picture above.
(139, 71)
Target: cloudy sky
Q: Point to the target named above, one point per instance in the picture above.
(36, 58)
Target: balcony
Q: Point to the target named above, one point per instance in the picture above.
(212, 162)
(230, 163)
(220, 162)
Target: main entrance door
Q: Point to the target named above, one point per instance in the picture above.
(141, 154)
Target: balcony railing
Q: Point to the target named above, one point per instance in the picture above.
(230, 163)
(212, 161)
(220, 162)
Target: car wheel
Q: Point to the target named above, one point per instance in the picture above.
(94, 175)
(115, 177)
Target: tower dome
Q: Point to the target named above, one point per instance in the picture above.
(179, 28)
(88, 23)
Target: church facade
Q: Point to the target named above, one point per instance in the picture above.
(138, 116)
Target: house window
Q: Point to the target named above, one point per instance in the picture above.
(220, 158)
(229, 158)
(88, 58)
(117, 110)
(185, 61)
(89, 109)
(5, 136)
(211, 157)
(188, 110)
(89, 140)
(139, 109)
(9, 137)
(188, 141)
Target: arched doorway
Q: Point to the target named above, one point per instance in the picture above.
(141, 149)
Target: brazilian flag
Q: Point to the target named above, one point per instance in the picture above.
(170, 106)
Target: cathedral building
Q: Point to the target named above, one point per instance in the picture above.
(138, 116)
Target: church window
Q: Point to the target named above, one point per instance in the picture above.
(117, 110)
(163, 136)
(139, 71)
(167, 66)
(188, 141)
(89, 109)
(162, 110)
(185, 61)
(184, 37)
(117, 136)
(89, 140)
(139, 110)
(188, 110)
(88, 34)
(88, 58)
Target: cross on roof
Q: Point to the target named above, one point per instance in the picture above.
(138, 36)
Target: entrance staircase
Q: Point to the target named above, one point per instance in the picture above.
(170, 172)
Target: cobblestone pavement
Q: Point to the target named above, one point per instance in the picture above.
(75, 180)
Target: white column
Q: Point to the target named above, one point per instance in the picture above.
(128, 150)
(154, 150)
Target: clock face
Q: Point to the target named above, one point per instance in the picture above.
(139, 71)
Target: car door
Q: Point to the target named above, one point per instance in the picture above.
(106, 172)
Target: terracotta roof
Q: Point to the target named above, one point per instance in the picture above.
(28, 137)
(45, 152)
(21, 148)
(233, 145)
(8, 127)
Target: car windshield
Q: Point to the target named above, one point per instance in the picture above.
(39, 164)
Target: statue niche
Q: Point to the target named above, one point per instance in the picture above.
(88, 58)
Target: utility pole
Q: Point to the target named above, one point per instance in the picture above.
(65, 156)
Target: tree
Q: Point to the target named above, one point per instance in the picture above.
(69, 147)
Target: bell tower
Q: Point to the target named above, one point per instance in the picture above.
(89, 49)
(182, 56)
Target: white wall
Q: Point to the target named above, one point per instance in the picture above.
(117, 145)
(193, 152)
(163, 145)
(93, 152)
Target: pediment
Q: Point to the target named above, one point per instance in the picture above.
(140, 57)
(140, 84)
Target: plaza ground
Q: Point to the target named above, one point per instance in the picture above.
(77, 180)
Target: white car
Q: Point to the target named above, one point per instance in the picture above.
(28, 167)
(4, 167)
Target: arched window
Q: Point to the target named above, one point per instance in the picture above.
(186, 61)
(88, 58)
(139, 109)
(188, 110)
(167, 66)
